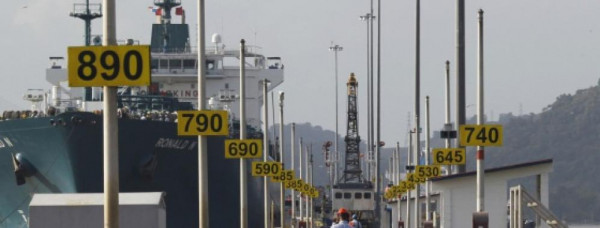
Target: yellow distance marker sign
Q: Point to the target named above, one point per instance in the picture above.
(285, 176)
(247, 148)
(127, 65)
(266, 168)
(290, 184)
(205, 122)
(451, 156)
(428, 171)
(481, 135)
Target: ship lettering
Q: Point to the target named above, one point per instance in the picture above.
(193, 145)
(8, 142)
(2, 144)
(180, 93)
(178, 144)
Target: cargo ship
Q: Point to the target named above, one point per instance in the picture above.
(56, 147)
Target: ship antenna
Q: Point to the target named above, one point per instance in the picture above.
(87, 12)
(166, 6)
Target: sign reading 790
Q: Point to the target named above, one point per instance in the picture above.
(109, 66)
(481, 135)
(202, 122)
(247, 148)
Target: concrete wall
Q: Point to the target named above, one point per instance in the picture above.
(75, 211)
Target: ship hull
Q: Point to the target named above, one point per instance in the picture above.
(66, 155)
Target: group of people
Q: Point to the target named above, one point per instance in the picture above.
(343, 220)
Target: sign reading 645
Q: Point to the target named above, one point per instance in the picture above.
(109, 66)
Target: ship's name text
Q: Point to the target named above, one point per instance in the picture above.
(178, 144)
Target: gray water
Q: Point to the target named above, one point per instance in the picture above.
(584, 226)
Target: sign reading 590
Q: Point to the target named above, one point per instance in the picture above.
(109, 66)
(203, 122)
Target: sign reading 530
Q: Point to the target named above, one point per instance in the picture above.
(481, 135)
(109, 66)
(202, 122)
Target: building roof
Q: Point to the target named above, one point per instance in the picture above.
(492, 170)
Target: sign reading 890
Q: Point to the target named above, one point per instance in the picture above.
(109, 66)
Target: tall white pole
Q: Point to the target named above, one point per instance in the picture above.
(266, 150)
(301, 204)
(202, 150)
(281, 156)
(408, 163)
(417, 106)
(447, 124)
(111, 129)
(480, 117)
(293, 144)
(371, 96)
(243, 177)
(307, 180)
(378, 186)
(336, 48)
(398, 178)
(427, 136)
(310, 181)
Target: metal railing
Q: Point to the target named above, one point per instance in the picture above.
(520, 197)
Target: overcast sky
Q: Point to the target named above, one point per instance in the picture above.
(534, 50)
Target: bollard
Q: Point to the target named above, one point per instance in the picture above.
(427, 224)
(400, 224)
(480, 220)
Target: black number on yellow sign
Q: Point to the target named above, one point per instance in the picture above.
(452, 156)
(109, 66)
(428, 171)
(285, 176)
(203, 123)
(299, 185)
(266, 168)
(481, 135)
(247, 148)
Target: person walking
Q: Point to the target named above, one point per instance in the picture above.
(344, 218)
(355, 223)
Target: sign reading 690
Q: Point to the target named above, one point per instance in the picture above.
(247, 148)
(109, 66)
(203, 122)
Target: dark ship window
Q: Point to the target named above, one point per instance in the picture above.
(155, 64)
(367, 195)
(357, 195)
(175, 64)
(338, 195)
(164, 64)
(189, 64)
(347, 195)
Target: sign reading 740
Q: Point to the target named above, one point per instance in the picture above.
(481, 135)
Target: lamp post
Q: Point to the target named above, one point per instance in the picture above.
(336, 48)
(369, 19)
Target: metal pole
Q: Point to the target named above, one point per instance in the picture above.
(398, 178)
(417, 105)
(427, 136)
(281, 187)
(111, 130)
(293, 142)
(310, 180)
(307, 180)
(266, 149)
(202, 150)
(336, 48)
(480, 117)
(448, 125)
(243, 177)
(367, 18)
(372, 101)
(301, 204)
(460, 73)
(378, 139)
(408, 163)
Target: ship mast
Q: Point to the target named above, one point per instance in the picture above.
(166, 6)
(87, 12)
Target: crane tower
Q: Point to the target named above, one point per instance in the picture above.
(352, 170)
